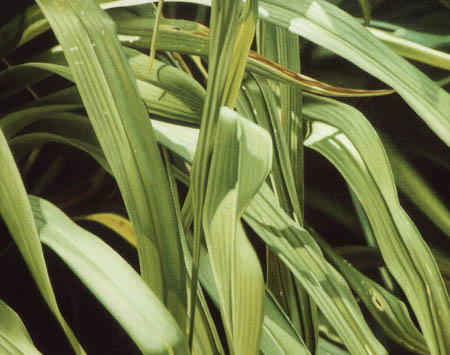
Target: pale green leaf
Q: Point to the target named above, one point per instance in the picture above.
(244, 151)
(223, 22)
(119, 117)
(354, 148)
(390, 313)
(325, 24)
(16, 212)
(14, 337)
(412, 50)
(112, 281)
(298, 250)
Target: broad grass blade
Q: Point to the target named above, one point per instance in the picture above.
(296, 247)
(354, 148)
(120, 120)
(112, 281)
(16, 212)
(244, 151)
(325, 24)
(14, 337)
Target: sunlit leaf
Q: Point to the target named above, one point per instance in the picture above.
(111, 98)
(112, 281)
(14, 337)
(16, 212)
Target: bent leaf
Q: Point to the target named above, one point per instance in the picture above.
(353, 147)
(14, 337)
(16, 212)
(112, 281)
(120, 121)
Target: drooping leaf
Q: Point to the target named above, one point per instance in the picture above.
(112, 281)
(354, 148)
(14, 337)
(16, 212)
(325, 24)
(223, 22)
(244, 151)
(119, 117)
(297, 249)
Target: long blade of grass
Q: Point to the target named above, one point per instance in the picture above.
(224, 20)
(330, 27)
(16, 212)
(412, 50)
(354, 148)
(158, 16)
(14, 337)
(242, 43)
(120, 120)
(390, 313)
(112, 281)
(190, 38)
(325, 24)
(244, 151)
(297, 249)
(415, 187)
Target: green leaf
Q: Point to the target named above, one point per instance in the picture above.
(14, 337)
(112, 281)
(16, 212)
(119, 117)
(244, 151)
(13, 123)
(354, 148)
(414, 186)
(223, 21)
(298, 250)
(390, 313)
(296, 247)
(278, 335)
(325, 24)
(412, 50)
(365, 8)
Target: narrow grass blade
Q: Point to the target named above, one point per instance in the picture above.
(224, 17)
(354, 148)
(390, 313)
(155, 34)
(325, 24)
(242, 43)
(191, 38)
(119, 117)
(412, 50)
(297, 249)
(112, 281)
(365, 8)
(415, 187)
(14, 337)
(323, 283)
(16, 212)
(244, 151)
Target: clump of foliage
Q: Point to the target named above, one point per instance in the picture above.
(177, 182)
